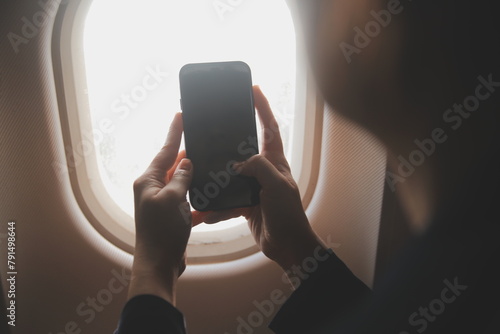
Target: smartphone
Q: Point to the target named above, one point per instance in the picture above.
(219, 129)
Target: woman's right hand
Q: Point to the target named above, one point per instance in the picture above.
(279, 224)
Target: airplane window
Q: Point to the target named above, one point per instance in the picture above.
(117, 67)
(133, 51)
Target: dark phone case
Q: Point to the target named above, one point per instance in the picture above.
(219, 193)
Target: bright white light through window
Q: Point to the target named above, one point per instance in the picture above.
(133, 53)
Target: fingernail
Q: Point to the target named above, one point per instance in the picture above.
(185, 164)
(236, 167)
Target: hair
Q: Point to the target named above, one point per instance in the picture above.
(447, 45)
(458, 38)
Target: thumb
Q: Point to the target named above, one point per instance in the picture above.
(262, 169)
(181, 178)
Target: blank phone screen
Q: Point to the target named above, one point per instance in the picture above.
(220, 129)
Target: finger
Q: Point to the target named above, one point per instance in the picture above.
(180, 181)
(198, 217)
(271, 136)
(180, 156)
(262, 169)
(166, 157)
(214, 217)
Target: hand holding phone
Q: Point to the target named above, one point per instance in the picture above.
(219, 130)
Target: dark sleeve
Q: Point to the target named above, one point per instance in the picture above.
(331, 293)
(148, 314)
